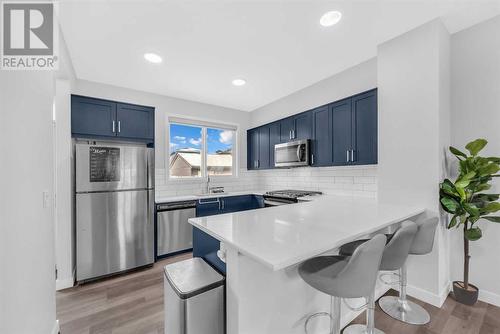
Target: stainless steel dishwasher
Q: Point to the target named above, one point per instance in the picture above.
(174, 233)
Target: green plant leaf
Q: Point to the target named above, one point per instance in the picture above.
(482, 187)
(457, 153)
(449, 204)
(453, 222)
(474, 147)
(473, 234)
(492, 207)
(461, 184)
(471, 209)
(493, 159)
(489, 169)
(469, 176)
(494, 219)
(449, 188)
(487, 197)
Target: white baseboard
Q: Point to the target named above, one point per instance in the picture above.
(429, 297)
(55, 329)
(438, 299)
(489, 297)
(64, 283)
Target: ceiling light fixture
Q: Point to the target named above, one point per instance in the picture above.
(239, 82)
(330, 18)
(153, 58)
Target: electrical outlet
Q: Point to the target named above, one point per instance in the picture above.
(46, 199)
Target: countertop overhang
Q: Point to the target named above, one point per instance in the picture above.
(286, 235)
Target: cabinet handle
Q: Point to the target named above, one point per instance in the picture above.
(347, 155)
(222, 201)
(312, 159)
(293, 134)
(119, 126)
(352, 155)
(290, 134)
(113, 126)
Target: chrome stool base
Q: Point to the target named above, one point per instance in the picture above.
(405, 311)
(361, 329)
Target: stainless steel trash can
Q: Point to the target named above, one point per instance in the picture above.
(194, 298)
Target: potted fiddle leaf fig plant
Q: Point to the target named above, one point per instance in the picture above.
(468, 201)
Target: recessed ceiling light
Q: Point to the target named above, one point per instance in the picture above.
(330, 18)
(153, 58)
(239, 82)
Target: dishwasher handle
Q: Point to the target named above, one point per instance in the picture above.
(175, 206)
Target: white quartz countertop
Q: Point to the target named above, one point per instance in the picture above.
(286, 235)
(194, 197)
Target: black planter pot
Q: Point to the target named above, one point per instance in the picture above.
(467, 297)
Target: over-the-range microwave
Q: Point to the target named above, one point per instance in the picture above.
(292, 154)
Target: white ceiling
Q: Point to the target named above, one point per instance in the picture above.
(278, 46)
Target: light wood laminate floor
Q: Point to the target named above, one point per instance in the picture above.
(133, 304)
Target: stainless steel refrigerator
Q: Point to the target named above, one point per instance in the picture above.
(114, 208)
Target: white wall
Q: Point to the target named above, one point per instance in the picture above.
(413, 74)
(63, 219)
(476, 114)
(355, 80)
(27, 275)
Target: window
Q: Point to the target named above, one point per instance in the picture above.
(200, 150)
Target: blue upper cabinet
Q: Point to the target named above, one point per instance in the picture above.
(364, 136)
(260, 146)
(321, 143)
(252, 148)
(296, 127)
(302, 126)
(135, 121)
(274, 138)
(264, 148)
(341, 132)
(287, 126)
(98, 118)
(92, 117)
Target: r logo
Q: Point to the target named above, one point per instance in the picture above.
(28, 29)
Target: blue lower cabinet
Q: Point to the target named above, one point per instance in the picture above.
(241, 203)
(204, 245)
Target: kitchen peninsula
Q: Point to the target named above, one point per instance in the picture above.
(263, 248)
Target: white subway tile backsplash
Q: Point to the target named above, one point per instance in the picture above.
(346, 181)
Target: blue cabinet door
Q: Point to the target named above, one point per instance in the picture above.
(92, 117)
(364, 136)
(321, 143)
(264, 160)
(241, 203)
(274, 138)
(341, 132)
(136, 122)
(204, 245)
(252, 148)
(287, 125)
(303, 126)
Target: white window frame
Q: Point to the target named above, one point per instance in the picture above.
(204, 125)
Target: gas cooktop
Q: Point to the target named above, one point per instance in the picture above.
(293, 194)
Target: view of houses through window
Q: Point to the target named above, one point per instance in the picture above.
(198, 151)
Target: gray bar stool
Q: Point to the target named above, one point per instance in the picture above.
(399, 307)
(394, 257)
(344, 277)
